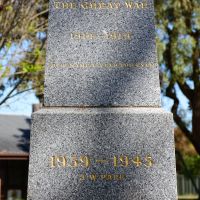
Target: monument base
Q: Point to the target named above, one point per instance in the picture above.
(102, 154)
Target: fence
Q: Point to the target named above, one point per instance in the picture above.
(185, 186)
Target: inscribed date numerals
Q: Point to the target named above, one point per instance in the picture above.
(125, 161)
(73, 161)
(103, 36)
(84, 161)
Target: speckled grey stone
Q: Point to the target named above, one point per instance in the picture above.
(102, 133)
(102, 71)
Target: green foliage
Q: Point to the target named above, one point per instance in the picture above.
(20, 21)
(9, 8)
(4, 71)
(30, 68)
(178, 20)
(193, 165)
(1, 67)
(8, 44)
(32, 27)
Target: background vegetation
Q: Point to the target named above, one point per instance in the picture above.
(23, 28)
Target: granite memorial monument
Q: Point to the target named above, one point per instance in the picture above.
(102, 134)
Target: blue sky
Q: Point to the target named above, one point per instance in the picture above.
(19, 105)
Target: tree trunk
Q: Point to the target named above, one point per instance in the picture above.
(196, 120)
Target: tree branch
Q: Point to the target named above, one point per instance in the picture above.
(15, 87)
(170, 92)
(22, 92)
(187, 91)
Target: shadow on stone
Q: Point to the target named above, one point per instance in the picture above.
(24, 138)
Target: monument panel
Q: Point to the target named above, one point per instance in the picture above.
(91, 44)
(100, 35)
(102, 154)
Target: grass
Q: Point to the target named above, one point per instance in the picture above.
(188, 197)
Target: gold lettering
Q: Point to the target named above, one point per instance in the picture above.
(111, 5)
(84, 5)
(54, 64)
(66, 5)
(129, 36)
(93, 177)
(149, 161)
(145, 4)
(118, 36)
(83, 36)
(75, 36)
(85, 161)
(135, 5)
(101, 65)
(82, 177)
(58, 161)
(122, 176)
(123, 161)
(129, 5)
(112, 36)
(74, 162)
(53, 162)
(139, 5)
(103, 176)
(106, 177)
(80, 64)
(115, 161)
(119, 177)
(56, 4)
(116, 5)
(137, 161)
(109, 177)
(69, 5)
(102, 5)
(107, 36)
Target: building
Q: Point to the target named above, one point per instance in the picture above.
(14, 149)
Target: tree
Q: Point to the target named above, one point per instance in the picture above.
(178, 27)
(23, 27)
(183, 144)
(187, 159)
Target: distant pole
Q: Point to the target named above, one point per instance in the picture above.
(36, 107)
(0, 188)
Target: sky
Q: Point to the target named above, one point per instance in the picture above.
(19, 105)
